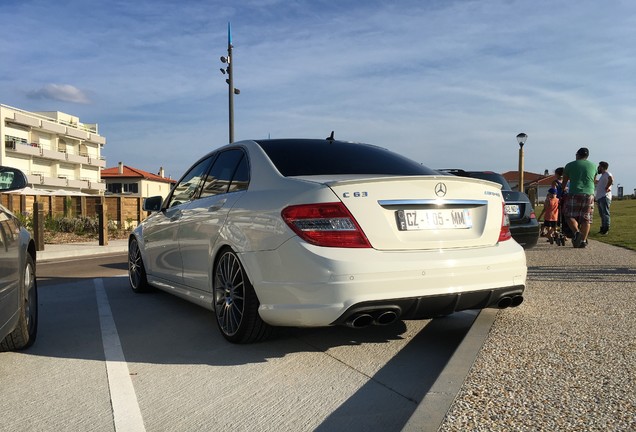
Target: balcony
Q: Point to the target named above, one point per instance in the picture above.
(53, 127)
(26, 120)
(77, 158)
(96, 186)
(77, 133)
(35, 178)
(33, 149)
(79, 184)
(53, 154)
(55, 182)
(23, 148)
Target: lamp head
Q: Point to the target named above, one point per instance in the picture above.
(521, 139)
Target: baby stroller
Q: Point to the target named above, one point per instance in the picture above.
(563, 230)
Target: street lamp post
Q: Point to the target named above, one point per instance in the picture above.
(230, 81)
(521, 139)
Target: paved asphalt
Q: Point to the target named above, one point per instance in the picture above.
(563, 360)
(441, 393)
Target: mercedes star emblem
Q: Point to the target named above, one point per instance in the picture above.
(440, 189)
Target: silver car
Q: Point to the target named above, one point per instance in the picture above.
(18, 287)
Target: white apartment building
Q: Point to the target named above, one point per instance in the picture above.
(55, 150)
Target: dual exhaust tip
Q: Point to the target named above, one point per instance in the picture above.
(379, 317)
(388, 316)
(509, 301)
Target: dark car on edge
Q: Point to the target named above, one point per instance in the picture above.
(524, 225)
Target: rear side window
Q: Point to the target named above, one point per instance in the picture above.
(189, 185)
(241, 178)
(223, 171)
(297, 157)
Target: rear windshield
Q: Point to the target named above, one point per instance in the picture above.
(298, 157)
(491, 176)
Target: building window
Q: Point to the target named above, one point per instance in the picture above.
(131, 188)
(113, 188)
(118, 188)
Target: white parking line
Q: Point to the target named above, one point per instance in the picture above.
(126, 412)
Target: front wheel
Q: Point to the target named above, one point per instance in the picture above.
(26, 331)
(136, 269)
(235, 302)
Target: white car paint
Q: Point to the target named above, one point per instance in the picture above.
(301, 284)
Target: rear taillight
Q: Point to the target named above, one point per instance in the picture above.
(533, 215)
(325, 224)
(504, 233)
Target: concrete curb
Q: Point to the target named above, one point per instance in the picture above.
(430, 413)
(54, 252)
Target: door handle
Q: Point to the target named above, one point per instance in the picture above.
(217, 205)
(176, 216)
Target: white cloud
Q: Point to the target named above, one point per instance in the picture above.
(60, 92)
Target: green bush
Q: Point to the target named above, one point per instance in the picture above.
(26, 220)
(81, 225)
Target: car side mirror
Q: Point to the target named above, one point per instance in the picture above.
(12, 179)
(152, 204)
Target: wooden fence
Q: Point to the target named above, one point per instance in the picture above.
(124, 211)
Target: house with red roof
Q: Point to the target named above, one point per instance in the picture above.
(512, 177)
(126, 180)
(542, 185)
(533, 184)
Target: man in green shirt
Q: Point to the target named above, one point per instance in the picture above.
(578, 205)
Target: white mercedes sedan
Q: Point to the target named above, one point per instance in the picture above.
(307, 232)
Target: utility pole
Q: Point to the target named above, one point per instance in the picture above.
(230, 80)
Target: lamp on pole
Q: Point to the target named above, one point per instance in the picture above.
(230, 81)
(521, 139)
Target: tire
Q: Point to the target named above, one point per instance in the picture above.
(235, 302)
(26, 331)
(136, 269)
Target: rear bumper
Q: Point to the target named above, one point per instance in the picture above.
(434, 306)
(304, 285)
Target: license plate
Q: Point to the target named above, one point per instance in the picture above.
(512, 209)
(411, 220)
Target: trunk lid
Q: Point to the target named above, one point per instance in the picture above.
(423, 212)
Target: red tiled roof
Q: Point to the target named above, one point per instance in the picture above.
(547, 180)
(130, 172)
(528, 177)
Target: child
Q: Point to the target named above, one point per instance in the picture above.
(557, 183)
(551, 211)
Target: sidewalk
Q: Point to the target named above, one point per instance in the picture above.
(564, 360)
(83, 249)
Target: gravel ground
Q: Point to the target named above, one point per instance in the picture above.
(565, 360)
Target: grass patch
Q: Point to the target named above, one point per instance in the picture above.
(622, 230)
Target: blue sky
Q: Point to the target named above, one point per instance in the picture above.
(447, 83)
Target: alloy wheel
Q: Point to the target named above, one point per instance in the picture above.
(30, 306)
(134, 264)
(229, 293)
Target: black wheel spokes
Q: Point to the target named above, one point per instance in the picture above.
(31, 298)
(134, 264)
(229, 291)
